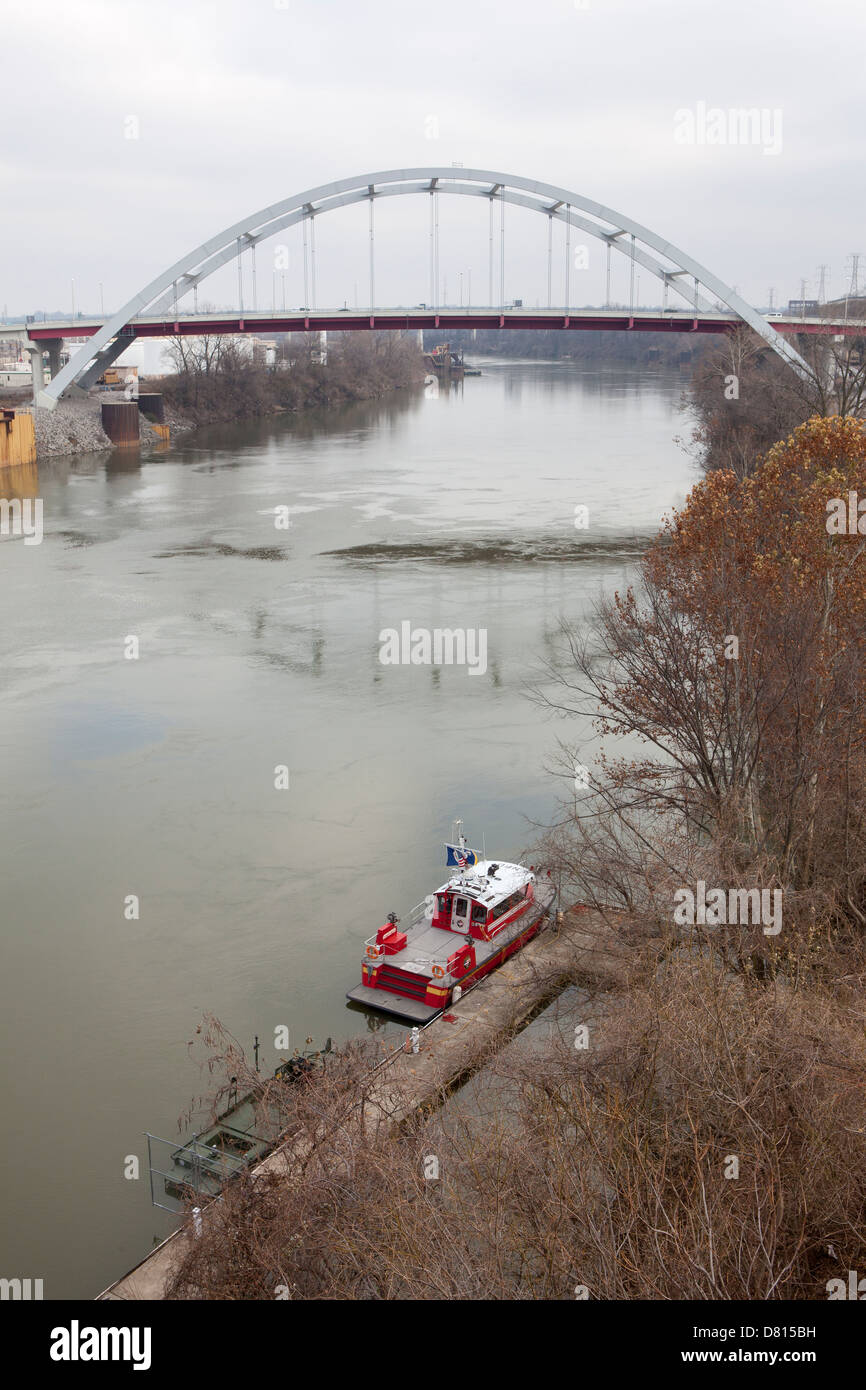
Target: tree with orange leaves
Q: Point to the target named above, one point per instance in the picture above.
(740, 663)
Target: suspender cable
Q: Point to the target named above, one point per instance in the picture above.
(306, 268)
(240, 279)
(436, 247)
(432, 252)
(255, 290)
(607, 279)
(549, 258)
(502, 246)
(372, 257)
(312, 262)
(567, 256)
(631, 279)
(490, 256)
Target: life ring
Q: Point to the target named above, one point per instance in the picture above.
(438, 972)
(372, 952)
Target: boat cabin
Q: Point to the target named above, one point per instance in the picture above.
(481, 901)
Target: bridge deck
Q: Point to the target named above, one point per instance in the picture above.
(681, 320)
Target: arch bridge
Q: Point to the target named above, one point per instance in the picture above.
(158, 302)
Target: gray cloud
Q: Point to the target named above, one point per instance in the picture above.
(240, 104)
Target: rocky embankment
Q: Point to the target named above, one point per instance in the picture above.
(75, 427)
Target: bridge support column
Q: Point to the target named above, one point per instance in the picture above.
(54, 347)
(37, 368)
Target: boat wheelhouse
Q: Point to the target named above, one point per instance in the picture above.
(485, 912)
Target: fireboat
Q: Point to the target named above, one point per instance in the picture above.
(484, 913)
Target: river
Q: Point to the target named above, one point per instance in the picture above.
(153, 777)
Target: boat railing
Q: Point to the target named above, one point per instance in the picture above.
(416, 915)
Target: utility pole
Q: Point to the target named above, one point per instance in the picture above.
(822, 273)
(771, 299)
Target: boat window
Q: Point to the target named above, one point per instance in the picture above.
(506, 905)
(479, 913)
(460, 907)
(444, 902)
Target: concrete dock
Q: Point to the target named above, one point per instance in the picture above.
(586, 948)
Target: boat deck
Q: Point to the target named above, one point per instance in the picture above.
(386, 1002)
(428, 945)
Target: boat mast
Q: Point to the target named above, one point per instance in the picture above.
(461, 841)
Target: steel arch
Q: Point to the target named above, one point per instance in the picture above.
(667, 264)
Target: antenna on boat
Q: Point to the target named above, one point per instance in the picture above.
(460, 841)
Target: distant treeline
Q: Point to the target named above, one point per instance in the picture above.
(583, 345)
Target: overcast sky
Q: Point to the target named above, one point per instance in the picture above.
(236, 104)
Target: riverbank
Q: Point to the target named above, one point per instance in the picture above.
(218, 384)
(383, 1097)
(75, 427)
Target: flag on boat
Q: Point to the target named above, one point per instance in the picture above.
(460, 858)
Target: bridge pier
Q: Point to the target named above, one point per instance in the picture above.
(37, 368)
(54, 347)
